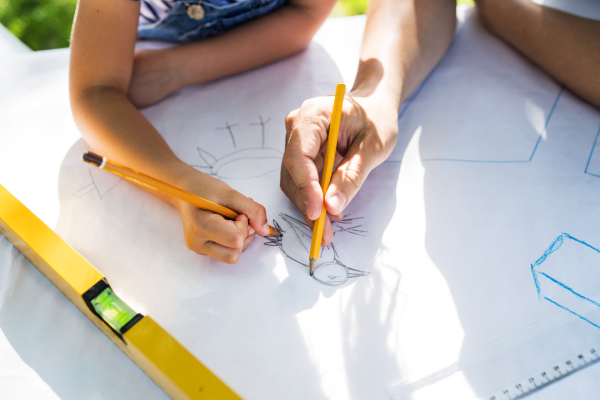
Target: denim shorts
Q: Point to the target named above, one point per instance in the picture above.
(178, 27)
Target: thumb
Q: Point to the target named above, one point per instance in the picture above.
(347, 180)
(256, 213)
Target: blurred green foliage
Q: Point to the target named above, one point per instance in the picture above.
(46, 24)
(345, 8)
(40, 24)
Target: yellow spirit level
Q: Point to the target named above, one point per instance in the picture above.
(157, 353)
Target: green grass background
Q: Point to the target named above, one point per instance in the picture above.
(46, 24)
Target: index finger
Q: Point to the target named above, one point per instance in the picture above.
(307, 136)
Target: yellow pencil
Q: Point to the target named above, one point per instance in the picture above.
(334, 128)
(160, 186)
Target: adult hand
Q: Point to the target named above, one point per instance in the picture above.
(368, 132)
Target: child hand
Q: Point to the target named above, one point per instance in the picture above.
(207, 233)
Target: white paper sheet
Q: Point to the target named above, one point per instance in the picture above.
(443, 236)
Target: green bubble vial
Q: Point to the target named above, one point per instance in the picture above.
(112, 309)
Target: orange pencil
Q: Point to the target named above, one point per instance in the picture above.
(160, 186)
(334, 128)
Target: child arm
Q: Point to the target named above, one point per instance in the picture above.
(157, 73)
(102, 49)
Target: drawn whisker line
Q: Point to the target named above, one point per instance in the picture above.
(347, 220)
(356, 230)
(354, 227)
(355, 233)
(353, 230)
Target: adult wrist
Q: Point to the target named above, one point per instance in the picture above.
(371, 82)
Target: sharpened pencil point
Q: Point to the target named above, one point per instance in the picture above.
(313, 265)
(274, 232)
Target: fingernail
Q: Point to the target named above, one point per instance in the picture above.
(250, 231)
(308, 210)
(338, 201)
(266, 229)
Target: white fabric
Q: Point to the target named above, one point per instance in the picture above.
(447, 244)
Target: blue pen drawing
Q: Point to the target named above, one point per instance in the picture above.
(248, 163)
(593, 163)
(102, 183)
(499, 161)
(295, 241)
(517, 155)
(568, 276)
(528, 160)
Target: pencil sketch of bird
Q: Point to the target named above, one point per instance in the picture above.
(294, 243)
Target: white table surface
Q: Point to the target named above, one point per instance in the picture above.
(36, 132)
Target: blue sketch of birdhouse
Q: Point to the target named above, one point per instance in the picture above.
(295, 241)
(246, 163)
(593, 163)
(568, 276)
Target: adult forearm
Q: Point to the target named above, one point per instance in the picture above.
(565, 45)
(114, 128)
(404, 39)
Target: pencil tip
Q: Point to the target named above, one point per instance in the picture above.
(313, 264)
(275, 232)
